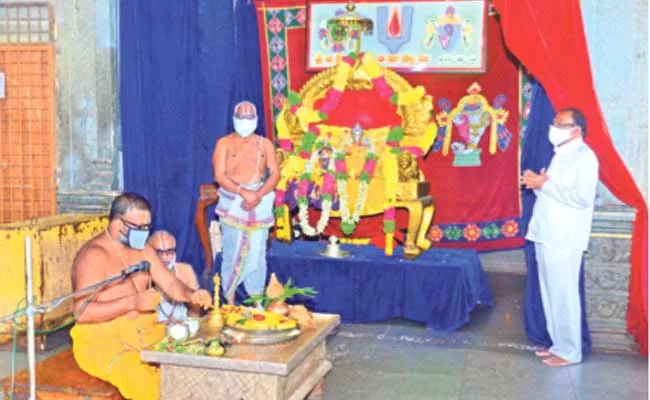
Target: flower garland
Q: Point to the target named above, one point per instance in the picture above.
(308, 118)
(340, 176)
(349, 223)
(327, 189)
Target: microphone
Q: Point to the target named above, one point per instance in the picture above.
(143, 266)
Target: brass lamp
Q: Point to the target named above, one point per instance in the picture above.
(352, 22)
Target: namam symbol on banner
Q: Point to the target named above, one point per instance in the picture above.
(418, 36)
(471, 117)
(396, 32)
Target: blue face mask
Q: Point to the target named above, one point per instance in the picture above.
(137, 238)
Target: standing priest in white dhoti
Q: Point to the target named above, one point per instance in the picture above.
(560, 228)
(246, 170)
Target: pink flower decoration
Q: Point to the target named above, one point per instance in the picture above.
(416, 151)
(382, 87)
(331, 101)
(348, 60)
(369, 167)
(328, 184)
(313, 128)
(305, 155)
(285, 144)
(294, 108)
(339, 166)
(303, 187)
(279, 197)
(392, 143)
(389, 213)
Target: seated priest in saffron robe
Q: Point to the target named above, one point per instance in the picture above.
(114, 323)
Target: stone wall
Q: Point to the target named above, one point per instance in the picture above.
(607, 278)
(617, 38)
(88, 135)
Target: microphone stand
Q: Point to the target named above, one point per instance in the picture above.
(30, 310)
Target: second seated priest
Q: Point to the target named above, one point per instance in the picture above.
(247, 172)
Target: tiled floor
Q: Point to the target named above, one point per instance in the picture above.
(487, 359)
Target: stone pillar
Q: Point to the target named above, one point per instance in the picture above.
(607, 278)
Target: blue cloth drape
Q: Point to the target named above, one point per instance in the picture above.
(536, 154)
(440, 288)
(183, 67)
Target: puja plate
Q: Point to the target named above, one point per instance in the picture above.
(246, 336)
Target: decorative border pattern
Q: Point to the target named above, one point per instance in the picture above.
(525, 103)
(475, 232)
(277, 21)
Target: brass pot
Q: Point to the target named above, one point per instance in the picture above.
(279, 308)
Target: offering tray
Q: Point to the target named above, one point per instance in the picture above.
(233, 335)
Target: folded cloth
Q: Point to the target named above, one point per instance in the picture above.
(230, 211)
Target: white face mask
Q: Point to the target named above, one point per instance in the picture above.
(557, 135)
(244, 127)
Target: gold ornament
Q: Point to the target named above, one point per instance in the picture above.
(215, 319)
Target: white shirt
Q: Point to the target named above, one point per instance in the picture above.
(565, 204)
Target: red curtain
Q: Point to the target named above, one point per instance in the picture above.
(548, 38)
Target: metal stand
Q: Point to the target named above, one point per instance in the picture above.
(30, 310)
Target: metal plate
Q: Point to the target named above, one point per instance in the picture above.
(235, 335)
(342, 254)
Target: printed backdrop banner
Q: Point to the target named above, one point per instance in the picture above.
(472, 169)
(439, 37)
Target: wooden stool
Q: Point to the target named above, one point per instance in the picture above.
(59, 377)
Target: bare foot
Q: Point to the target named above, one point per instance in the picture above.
(543, 353)
(555, 361)
(317, 391)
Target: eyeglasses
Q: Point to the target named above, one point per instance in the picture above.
(166, 252)
(143, 227)
(564, 125)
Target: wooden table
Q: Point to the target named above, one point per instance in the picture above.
(267, 372)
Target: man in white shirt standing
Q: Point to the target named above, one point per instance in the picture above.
(560, 227)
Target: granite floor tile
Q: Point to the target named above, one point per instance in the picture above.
(356, 384)
(610, 373)
(502, 368)
(405, 359)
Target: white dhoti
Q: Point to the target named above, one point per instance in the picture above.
(244, 234)
(559, 277)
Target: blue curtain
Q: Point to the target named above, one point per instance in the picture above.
(183, 67)
(536, 154)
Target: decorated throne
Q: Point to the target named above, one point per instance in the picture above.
(349, 145)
